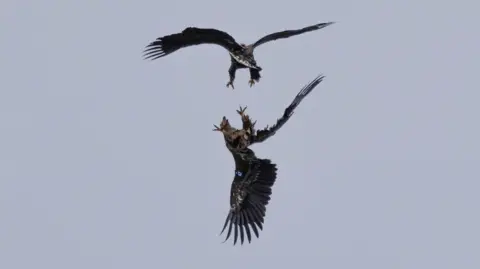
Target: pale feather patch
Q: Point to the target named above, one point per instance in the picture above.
(241, 59)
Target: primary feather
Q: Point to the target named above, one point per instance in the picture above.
(262, 135)
(191, 36)
(249, 195)
(289, 33)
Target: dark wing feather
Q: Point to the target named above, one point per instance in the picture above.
(289, 33)
(191, 36)
(249, 196)
(264, 134)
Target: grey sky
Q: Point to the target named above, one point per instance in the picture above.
(109, 161)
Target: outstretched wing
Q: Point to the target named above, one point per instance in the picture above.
(249, 197)
(165, 45)
(289, 33)
(264, 134)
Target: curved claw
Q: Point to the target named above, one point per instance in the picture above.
(241, 111)
(223, 125)
(251, 82)
(230, 83)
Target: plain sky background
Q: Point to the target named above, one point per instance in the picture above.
(109, 161)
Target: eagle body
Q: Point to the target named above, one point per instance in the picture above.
(245, 60)
(235, 65)
(254, 177)
(242, 56)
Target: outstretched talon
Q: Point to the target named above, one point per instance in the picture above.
(230, 83)
(223, 124)
(241, 111)
(247, 122)
(251, 82)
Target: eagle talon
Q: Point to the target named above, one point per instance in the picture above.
(248, 125)
(242, 110)
(230, 83)
(251, 82)
(223, 125)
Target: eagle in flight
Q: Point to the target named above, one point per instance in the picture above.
(241, 55)
(254, 177)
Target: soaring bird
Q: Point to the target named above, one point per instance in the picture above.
(241, 55)
(254, 177)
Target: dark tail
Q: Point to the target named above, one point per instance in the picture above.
(255, 74)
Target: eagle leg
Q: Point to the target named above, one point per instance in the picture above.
(231, 72)
(247, 122)
(254, 76)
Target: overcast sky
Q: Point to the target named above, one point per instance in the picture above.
(109, 161)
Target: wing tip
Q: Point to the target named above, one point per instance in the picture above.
(153, 53)
(319, 78)
(324, 24)
(306, 90)
(154, 50)
(237, 237)
(328, 23)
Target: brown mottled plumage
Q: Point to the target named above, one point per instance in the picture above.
(254, 177)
